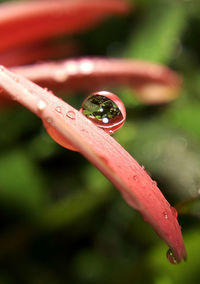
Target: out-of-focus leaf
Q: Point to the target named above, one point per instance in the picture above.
(157, 37)
(186, 116)
(21, 185)
(73, 208)
(190, 206)
(170, 156)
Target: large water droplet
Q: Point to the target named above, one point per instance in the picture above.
(104, 109)
(171, 257)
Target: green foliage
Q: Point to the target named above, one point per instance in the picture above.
(61, 220)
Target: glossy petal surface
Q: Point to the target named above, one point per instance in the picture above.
(105, 153)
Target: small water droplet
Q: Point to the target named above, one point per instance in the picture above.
(61, 76)
(41, 105)
(135, 177)
(171, 257)
(104, 110)
(49, 120)
(143, 167)
(58, 109)
(71, 67)
(71, 114)
(154, 183)
(165, 215)
(86, 67)
(174, 211)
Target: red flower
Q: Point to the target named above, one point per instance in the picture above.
(23, 23)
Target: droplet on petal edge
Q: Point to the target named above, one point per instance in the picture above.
(171, 257)
(105, 110)
(154, 183)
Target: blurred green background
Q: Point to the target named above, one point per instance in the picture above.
(61, 221)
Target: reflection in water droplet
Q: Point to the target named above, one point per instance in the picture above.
(71, 114)
(105, 110)
(171, 257)
(58, 109)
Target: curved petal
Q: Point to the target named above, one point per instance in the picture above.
(155, 83)
(104, 152)
(23, 22)
(38, 51)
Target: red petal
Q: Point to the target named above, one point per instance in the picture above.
(105, 153)
(38, 51)
(23, 22)
(155, 83)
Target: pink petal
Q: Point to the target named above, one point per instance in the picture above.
(38, 51)
(23, 22)
(104, 152)
(155, 83)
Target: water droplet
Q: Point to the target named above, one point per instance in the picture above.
(41, 105)
(49, 120)
(174, 211)
(71, 114)
(165, 215)
(154, 183)
(61, 76)
(86, 67)
(104, 109)
(135, 177)
(71, 67)
(171, 257)
(58, 109)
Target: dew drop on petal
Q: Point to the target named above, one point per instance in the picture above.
(165, 215)
(171, 257)
(174, 211)
(154, 183)
(135, 177)
(58, 109)
(71, 114)
(49, 120)
(41, 105)
(105, 110)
